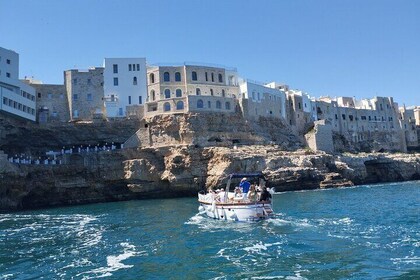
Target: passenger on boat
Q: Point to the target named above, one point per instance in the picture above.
(245, 185)
(222, 194)
(238, 192)
(252, 194)
(265, 195)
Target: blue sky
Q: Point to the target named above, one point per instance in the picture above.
(336, 47)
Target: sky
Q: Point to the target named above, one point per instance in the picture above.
(326, 47)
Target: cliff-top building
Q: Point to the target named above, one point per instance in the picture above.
(187, 88)
(258, 99)
(374, 120)
(125, 85)
(17, 97)
(51, 101)
(85, 93)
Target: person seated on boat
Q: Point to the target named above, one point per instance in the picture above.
(252, 194)
(238, 192)
(265, 195)
(244, 185)
(222, 195)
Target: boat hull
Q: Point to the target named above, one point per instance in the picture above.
(242, 212)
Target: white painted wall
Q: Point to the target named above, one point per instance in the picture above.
(12, 68)
(125, 89)
(16, 97)
(255, 93)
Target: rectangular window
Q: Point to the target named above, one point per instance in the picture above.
(140, 100)
(344, 116)
(8, 61)
(74, 81)
(49, 95)
(89, 81)
(129, 67)
(4, 100)
(75, 96)
(89, 97)
(129, 100)
(207, 78)
(336, 117)
(115, 68)
(115, 81)
(363, 118)
(138, 67)
(7, 74)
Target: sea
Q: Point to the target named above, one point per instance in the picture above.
(363, 232)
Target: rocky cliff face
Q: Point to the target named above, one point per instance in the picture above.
(185, 169)
(177, 155)
(19, 136)
(212, 129)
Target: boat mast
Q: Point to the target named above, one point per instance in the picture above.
(227, 188)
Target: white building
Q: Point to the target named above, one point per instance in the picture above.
(16, 97)
(262, 100)
(124, 84)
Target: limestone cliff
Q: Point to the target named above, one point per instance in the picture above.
(178, 155)
(185, 169)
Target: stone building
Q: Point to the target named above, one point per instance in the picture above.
(373, 119)
(188, 88)
(300, 110)
(417, 115)
(16, 97)
(51, 100)
(257, 99)
(407, 120)
(85, 93)
(125, 86)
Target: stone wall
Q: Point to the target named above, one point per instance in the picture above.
(320, 138)
(52, 103)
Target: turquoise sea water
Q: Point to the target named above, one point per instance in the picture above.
(366, 232)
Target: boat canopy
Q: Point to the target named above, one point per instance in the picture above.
(246, 175)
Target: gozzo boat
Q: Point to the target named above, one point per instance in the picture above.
(224, 204)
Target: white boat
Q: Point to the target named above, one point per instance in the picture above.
(225, 206)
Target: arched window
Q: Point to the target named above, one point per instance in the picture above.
(178, 93)
(200, 103)
(209, 104)
(218, 104)
(152, 78)
(212, 77)
(166, 107)
(194, 76)
(197, 91)
(211, 92)
(220, 78)
(135, 81)
(253, 95)
(227, 105)
(177, 77)
(152, 95)
(166, 77)
(180, 105)
(223, 93)
(167, 93)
